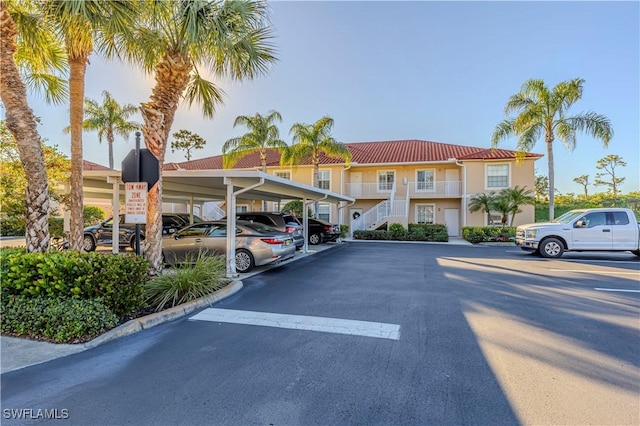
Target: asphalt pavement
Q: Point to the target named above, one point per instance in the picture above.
(467, 335)
(17, 353)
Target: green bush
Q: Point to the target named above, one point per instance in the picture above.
(57, 319)
(202, 275)
(479, 234)
(92, 215)
(416, 232)
(117, 279)
(344, 231)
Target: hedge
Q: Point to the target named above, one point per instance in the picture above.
(118, 280)
(480, 234)
(57, 319)
(416, 232)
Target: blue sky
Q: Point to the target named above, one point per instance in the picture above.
(439, 71)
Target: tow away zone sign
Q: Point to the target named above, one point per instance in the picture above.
(135, 202)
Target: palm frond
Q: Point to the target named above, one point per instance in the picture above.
(205, 93)
(503, 130)
(596, 125)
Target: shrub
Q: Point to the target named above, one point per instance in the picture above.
(57, 319)
(344, 231)
(416, 232)
(92, 215)
(202, 275)
(479, 234)
(117, 279)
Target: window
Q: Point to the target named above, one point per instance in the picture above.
(424, 180)
(242, 208)
(324, 179)
(495, 219)
(595, 219)
(425, 213)
(497, 175)
(283, 174)
(385, 181)
(324, 211)
(196, 230)
(620, 218)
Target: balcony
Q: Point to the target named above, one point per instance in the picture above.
(440, 189)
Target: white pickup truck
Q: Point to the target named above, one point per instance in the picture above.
(602, 229)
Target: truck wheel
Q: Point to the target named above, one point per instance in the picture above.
(551, 247)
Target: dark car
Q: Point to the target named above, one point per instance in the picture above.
(102, 234)
(283, 222)
(321, 232)
(256, 244)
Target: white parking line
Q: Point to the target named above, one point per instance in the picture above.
(618, 289)
(301, 322)
(596, 272)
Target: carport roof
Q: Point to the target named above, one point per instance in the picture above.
(211, 185)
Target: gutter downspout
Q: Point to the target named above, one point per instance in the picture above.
(464, 191)
(231, 223)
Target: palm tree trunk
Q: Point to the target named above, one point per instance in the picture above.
(22, 124)
(110, 140)
(77, 70)
(172, 77)
(549, 140)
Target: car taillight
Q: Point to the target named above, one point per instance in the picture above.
(290, 229)
(328, 228)
(271, 240)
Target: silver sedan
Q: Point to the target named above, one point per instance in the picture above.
(256, 244)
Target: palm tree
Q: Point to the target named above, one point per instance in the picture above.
(109, 120)
(483, 203)
(517, 197)
(26, 44)
(80, 24)
(262, 135)
(544, 112)
(172, 40)
(311, 141)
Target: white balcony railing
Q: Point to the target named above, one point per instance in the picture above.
(451, 188)
(447, 188)
(369, 190)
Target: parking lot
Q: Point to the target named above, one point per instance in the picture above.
(376, 333)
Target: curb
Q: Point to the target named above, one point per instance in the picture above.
(148, 321)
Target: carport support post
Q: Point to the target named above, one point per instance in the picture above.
(305, 226)
(231, 225)
(115, 206)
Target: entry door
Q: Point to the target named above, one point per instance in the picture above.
(356, 184)
(452, 221)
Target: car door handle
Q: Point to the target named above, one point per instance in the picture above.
(606, 230)
(198, 240)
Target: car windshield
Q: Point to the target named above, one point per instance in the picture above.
(568, 216)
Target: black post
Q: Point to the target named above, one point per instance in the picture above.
(138, 180)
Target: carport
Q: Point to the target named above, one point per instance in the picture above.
(196, 186)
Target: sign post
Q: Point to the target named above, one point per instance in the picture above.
(140, 166)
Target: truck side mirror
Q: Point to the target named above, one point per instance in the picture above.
(580, 224)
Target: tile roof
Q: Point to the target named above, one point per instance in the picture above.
(401, 151)
(88, 165)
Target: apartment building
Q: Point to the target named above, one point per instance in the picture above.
(403, 181)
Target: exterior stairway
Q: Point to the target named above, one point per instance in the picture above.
(379, 214)
(211, 210)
